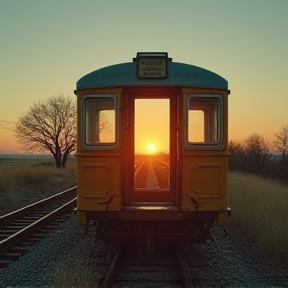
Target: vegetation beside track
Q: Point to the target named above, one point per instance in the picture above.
(79, 275)
(259, 208)
(259, 205)
(27, 180)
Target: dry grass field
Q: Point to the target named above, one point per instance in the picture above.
(24, 180)
(260, 208)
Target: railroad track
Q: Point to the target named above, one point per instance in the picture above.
(151, 174)
(131, 267)
(21, 228)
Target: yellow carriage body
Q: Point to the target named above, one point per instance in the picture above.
(187, 179)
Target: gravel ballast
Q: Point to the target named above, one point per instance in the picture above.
(66, 257)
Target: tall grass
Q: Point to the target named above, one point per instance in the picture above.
(24, 182)
(85, 269)
(260, 208)
(79, 275)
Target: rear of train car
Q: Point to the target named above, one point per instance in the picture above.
(152, 145)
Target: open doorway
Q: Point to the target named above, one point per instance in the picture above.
(152, 142)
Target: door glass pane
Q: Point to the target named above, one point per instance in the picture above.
(152, 144)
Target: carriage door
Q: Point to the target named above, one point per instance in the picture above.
(151, 147)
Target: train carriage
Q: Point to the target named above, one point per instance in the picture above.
(152, 145)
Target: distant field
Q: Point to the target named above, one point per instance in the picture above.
(15, 159)
(161, 158)
(25, 179)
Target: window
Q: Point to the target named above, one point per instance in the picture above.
(100, 120)
(204, 119)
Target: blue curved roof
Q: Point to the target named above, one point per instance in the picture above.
(125, 74)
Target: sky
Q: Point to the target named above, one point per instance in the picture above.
(46, 46)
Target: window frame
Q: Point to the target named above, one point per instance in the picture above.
(104, 145)
(220, 124)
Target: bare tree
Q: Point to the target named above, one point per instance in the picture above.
(281, 143)
(258, 153)
(237, 157)
(49, 125)
(5, 125)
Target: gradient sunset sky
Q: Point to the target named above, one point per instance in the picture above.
(46, 46)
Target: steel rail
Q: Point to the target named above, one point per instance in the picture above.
(107, 282)
(186, 281)
(185, 278)
(13, 239)
(12, 215)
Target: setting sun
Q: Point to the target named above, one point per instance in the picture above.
(151, 148)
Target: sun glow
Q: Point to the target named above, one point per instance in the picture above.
(151, 148)
(151, 128)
